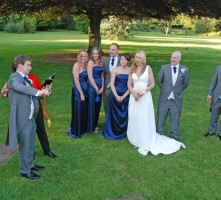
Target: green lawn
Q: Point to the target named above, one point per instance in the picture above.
(94, 168)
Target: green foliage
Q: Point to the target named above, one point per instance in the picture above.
(81, 24)
(186, 21)
(43, 24)
(214, 34)
(141, 25)
(2, 23)
(117, 28)
(20, 24)
(11, 27)
(30, 25)
(68, 22)
(202, 26)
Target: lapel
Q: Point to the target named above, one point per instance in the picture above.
(169, 74)
(20, 77)
(107, 64)
(179, 74)
(118, 61)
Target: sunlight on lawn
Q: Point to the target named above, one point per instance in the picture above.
(167, 42)
(83, 40)
(211, 40)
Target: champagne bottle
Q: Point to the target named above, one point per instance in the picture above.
(48, 80)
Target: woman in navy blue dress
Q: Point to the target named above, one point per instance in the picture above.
(115, 126)
(79, 96)
(95, 89)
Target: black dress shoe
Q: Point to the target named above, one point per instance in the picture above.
(219, 136)
(209, 134)
(50, 154)
(30, 175)
(38, 168)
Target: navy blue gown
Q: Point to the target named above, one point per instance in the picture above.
(79, 108)
(94, 100)
(115, 126)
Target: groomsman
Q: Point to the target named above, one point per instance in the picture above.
(23, 111)
(109, 64)
(41, 132)
(172, 79)
(214, 97)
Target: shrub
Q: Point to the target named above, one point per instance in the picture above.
(68, 22)
(42, 24)
(141, 26)
(11, 27)
(30, 25)
(20, 26)
(202, 26)
(82, 25)
(2, 23)
(117, 28)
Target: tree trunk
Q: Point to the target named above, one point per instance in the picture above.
(166, 30)
(95, 16)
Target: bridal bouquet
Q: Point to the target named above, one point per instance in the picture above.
(140, 89)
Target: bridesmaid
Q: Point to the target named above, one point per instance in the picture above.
(79, 96)
(117, 115)
(95, 88)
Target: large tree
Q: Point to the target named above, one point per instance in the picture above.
(96, 10)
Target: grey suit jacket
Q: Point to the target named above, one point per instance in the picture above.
(215, 86)
(107, 74)
(165, 83)
(20, 101)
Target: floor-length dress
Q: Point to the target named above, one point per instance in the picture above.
(141, 131)
(94, 100)
(79, 108)
(115, 126)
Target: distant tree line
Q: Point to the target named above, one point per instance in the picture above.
(29, 24)
(98, 10)
(114, 27)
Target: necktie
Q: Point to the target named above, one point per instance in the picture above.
(112, 61)
(174, 70)
(26, 79)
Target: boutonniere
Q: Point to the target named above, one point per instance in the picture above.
(30, 81)
(183, 70)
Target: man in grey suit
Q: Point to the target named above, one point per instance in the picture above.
(109, 64)
(23, 111)
(172, 79)
(214, 97)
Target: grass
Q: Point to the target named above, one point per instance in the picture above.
(94, 168)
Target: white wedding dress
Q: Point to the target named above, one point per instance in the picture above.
(141, 130)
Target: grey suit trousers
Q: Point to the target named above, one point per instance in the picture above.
(215, 112)
(170, 108)
(26, 140)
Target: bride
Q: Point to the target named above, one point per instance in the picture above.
(141, 129)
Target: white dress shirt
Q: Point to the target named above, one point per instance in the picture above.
(174, 78)
(111, 67)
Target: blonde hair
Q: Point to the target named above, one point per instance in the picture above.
(80, 53)
(141, 54)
